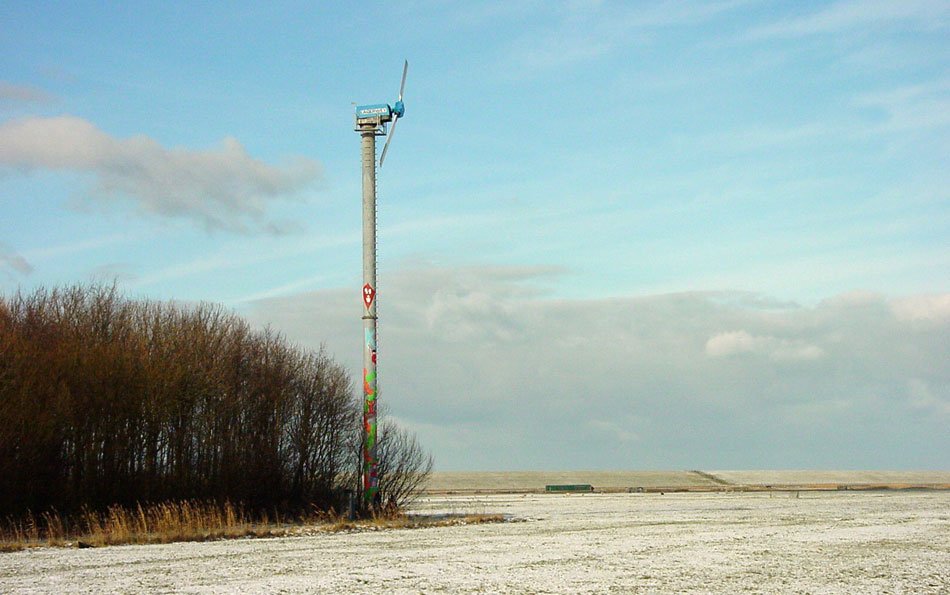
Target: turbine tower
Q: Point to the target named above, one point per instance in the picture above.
(372, 121)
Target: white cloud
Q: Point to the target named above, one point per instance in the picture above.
(120, 272)
(482, 360)
(238, 254)
(470, 14)
(914, 107)
(725, 344)
(583, 31)
(223, 188)
(922, 109)
(933, 308)
(283, 289)
(922, 396)
(853, 14)
(10, 258)
(620, 432)
(76, 247)
(20, 94)
(737, 342)
(792, 351)
(673, 13)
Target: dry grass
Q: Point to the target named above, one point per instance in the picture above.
(160, 523)
(193, 521)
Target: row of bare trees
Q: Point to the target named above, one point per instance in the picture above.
(106, 400)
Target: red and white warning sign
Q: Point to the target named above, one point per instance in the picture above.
(368, 294)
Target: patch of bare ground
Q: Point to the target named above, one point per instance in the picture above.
(401, 521)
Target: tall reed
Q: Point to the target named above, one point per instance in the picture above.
(156, 523)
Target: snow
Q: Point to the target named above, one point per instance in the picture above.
(819, 542)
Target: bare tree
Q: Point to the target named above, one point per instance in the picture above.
(106, 400)
(404, 466)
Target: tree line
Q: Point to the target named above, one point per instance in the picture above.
(108, 401)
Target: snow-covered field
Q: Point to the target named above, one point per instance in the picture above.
(819, 542)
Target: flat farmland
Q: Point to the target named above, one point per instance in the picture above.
(532, 481)
(536, 480)
(786, 477)
(811, 541)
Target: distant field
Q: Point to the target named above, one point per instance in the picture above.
(536, 480)
(528, 481)
(836, 477)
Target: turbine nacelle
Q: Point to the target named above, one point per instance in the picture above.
(378, 113)
(373, 117)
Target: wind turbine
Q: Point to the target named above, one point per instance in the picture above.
(372, 121)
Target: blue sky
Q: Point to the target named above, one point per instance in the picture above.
(752, 184)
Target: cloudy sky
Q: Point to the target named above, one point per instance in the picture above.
(613, 235)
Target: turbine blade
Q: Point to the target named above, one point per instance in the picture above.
(389, 138)
(402, 85)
